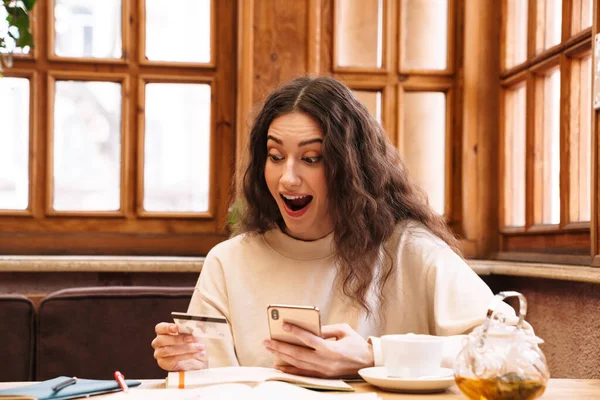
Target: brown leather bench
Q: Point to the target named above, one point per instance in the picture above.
(91, 332)
(17, 316)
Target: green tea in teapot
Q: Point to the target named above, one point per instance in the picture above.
(506, 387)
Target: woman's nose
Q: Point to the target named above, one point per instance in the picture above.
(290, 175)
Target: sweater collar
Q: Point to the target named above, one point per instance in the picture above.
(297, 249)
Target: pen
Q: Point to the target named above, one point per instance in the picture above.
(64, 384)
(121, 381)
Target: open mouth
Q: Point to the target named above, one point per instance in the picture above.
(296, 203)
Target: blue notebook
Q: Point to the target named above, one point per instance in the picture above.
(82, 388)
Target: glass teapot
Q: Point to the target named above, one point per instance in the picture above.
(500, 361)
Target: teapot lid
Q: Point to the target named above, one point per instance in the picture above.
(498, 327)
(495, 324)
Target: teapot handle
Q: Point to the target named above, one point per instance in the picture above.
(498, 299)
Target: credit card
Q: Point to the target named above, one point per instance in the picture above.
(201, 326)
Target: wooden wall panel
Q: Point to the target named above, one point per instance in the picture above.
(595, 185)
(280, 43)
(480, 124)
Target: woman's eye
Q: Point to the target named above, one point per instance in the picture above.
(275, 157)
(311, 160)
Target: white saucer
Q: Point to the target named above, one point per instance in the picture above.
(377, 376)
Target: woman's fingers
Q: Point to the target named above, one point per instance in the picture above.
(337, 331)
(296, 362)
(300, 357)
(183, 362)
(172, 340)
(292, 350)
(176, 350)
(306, 337)
(342, 357)
(166, 328)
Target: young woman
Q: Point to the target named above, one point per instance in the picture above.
(331, 220)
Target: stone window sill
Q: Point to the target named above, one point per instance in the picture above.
(194, 264)
(99, 264)
(575, 273)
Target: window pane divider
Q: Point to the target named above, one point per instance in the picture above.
(585, 37)
(564, 179)
(417, 84)
(514, 79)
(87, 60)
(543, 228)
(427, 72)
(507, 230)
(177, 64)
(361, 70)
(529, 148)
(576, 226)
(141, 213)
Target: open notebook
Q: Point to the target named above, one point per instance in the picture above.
(252, 375)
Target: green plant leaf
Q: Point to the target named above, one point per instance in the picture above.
(20, 19)
(26, 39)
(28, 4)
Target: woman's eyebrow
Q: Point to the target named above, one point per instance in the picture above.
(310, 141)
(303, 143)
(278, 141)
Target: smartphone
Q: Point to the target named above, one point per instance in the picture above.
(201, 325)
(307, 318)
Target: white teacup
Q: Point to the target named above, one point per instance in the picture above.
(411, 356)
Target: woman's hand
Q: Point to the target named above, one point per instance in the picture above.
(342, 357)
(178, 352)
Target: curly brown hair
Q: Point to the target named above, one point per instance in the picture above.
(369, 190)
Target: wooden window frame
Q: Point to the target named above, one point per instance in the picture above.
(40, 230)
(566, 242)
(392, 80)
